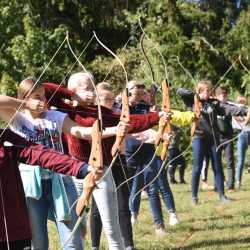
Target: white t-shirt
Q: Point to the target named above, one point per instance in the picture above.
(240, 124)
(45, 130)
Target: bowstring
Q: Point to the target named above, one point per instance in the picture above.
(163, 165)
(245, 125)
(32, 88)
(126, 79)
(16, 112)
(70, 70)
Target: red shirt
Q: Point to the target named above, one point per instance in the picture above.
(86, 116)
(11, 187)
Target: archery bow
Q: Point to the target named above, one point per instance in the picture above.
(96, 157)
(124, 117)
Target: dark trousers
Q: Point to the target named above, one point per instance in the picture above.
(16, 245)
(179, 161)
(229, 153)
(120, 174)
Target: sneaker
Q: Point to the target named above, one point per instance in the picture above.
(144, 195)
(237, 185)
(173, 220)
(183, 182)
(173, 181)
(83, 231)
(205, 186)
(160, 230)
(224, 199)
(134, 218)
(231, 190)
(194, 201)
(129, 248)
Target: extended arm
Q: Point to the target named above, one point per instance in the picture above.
(34, 154)
(233, 110)
(71, 127)
(9, 105)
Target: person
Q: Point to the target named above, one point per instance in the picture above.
(140, 150)
(173, 152)
(80, 89)
(120, 174)
(45, 127)
(206, 137)
(239, 123)
(226, 134)
(15, 233)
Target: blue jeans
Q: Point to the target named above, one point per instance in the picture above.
(137, 184)
(38, 213)
(202, 146)
(160, 184)
(242, 144)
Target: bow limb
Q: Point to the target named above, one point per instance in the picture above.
(157, 49)
(70, 69)
(225, 74)
(146, 57)
(124, 117)
(153, 84)
(92, 82)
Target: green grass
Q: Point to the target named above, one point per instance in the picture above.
(210, 225)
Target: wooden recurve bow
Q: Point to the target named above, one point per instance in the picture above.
(164, 126)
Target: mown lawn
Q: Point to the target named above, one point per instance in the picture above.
(210, 225)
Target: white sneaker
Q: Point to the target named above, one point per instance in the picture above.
(160, 231)
(173, 220)
(144, 195)
(134, 218)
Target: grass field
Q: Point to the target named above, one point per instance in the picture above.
(210, 225)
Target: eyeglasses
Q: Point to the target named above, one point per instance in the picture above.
(139, 86)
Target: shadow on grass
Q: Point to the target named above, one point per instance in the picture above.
(214, 243)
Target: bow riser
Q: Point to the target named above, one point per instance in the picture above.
(124, 117)
(95, 161)
(197, 112)
(164, 127)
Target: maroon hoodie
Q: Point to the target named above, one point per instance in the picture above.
(86, 116)
(12, 197)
